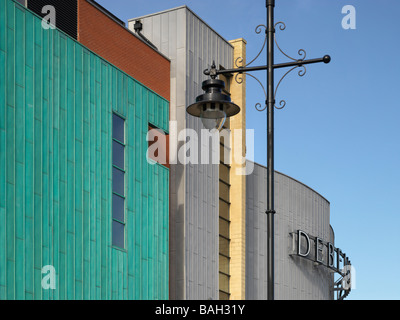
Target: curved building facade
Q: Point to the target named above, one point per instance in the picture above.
(298, 207)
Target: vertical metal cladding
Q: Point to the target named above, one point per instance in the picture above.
(56, 105)
(202, 188)
(191, 45)
(297, 207)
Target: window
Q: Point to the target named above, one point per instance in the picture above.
(118, 182)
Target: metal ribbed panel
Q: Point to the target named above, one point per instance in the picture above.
(56, 104)
(191, 45)
(203, 45)
(298, 207)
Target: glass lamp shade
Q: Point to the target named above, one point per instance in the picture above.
(213, 116)
(213, 107)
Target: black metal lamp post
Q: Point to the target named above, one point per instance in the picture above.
(213, 104)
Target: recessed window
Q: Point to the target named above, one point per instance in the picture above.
(118, 230)
(118, 182)
(118, 208)
(118, 154)
(118, 128)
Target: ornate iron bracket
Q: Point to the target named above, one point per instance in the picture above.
(240, 59)
(301, 73)
(213, 72)
(302, 53)
(239, 80)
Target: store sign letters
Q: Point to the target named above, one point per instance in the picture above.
(320, 251)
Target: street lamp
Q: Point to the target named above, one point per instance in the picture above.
(215, 106)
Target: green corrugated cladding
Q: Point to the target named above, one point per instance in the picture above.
(56, 104)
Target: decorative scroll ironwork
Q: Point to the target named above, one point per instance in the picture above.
(302, 53)
(239, 60)
(240, 69)
(212, 71)
(239, 80)
(301, 73)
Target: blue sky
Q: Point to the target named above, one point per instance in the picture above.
(339, 132)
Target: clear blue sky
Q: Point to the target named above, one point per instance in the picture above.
(339, 132)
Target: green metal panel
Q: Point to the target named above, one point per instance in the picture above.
(2, 93)
(56, 105)
(3, 31)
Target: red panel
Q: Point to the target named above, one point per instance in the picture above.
(118, 45)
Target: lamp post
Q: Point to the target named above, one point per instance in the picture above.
(217, 106)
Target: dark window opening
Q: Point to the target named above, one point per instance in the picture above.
(118, 154)
(118, 181)
(118, 128)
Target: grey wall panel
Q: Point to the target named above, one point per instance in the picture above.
(191, 45)
(297, 207)
(202, 253)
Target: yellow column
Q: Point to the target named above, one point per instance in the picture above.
(238, 183)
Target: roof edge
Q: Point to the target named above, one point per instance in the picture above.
(106, 12)
(262, 166)
(123, 25)
(179, 8)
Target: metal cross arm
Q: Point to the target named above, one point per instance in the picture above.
(213, 72)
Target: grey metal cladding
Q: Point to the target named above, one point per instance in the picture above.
(191, 45)
(297, 207)
(202, 204)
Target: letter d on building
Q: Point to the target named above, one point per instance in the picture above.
(301, 234)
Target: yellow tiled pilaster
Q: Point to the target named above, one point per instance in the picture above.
(238, 183)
